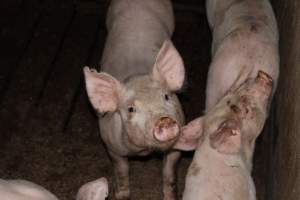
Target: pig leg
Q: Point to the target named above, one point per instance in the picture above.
(169, 175)
(121, 171)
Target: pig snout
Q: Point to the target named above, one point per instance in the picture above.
(165, 129)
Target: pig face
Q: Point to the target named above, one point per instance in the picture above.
(150, 111)
(235, 122)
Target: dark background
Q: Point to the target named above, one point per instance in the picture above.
(48, 132)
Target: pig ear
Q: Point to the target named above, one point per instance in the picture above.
(103, 90)
(227, 138)
(94, 190)
(190, 135)
(168, 68)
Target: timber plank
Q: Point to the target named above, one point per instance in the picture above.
(17, 28)
(32, 68)
(60, 86)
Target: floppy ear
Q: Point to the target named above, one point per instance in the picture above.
(94, 190)
(168, 68)
(227, 138)
(103, 90)
(190, 135)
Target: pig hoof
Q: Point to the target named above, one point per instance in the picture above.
(122, 195)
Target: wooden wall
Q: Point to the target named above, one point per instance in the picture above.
(284, 175)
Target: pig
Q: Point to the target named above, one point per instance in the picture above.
(224, 139)
(26, 190)
(134, 94)
(245, 40)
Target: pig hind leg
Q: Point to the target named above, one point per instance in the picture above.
(169, 175)
(121, 172)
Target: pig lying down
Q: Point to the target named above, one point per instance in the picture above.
(133, 94)
(224, 139)
(25, 190)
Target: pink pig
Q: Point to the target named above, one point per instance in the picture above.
(224, 139)
(134, 94)
(245, 41)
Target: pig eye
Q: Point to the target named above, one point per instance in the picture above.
(167, 97)
(131, 109)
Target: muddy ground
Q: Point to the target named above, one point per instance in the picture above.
(48, 132)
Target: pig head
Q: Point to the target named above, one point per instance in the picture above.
(224, 139)
(143, 107)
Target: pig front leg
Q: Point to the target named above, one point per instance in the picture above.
(169, 175)
(121, 172)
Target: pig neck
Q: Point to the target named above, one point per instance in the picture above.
(212, 157)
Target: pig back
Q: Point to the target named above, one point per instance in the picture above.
(136, 31)
(245, 40)
(253, 16)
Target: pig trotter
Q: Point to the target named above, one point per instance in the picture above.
(121, 171)
(169, 175)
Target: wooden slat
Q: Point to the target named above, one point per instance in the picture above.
(16, 33)
(28, 76)
(39, 151)
(92, 60)
(64, 78)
